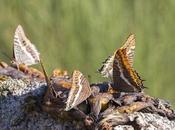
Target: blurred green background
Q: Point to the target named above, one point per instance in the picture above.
(80, 34)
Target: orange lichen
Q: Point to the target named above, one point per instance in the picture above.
(59, 72)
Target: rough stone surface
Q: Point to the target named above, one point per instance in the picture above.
(150, 121)
(18, 110)
(20, 101)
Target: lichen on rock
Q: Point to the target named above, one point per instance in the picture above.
(17, 96)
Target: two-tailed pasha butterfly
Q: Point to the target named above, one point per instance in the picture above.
(24, 52)
(79, 92)
(119, 68)
(107, 68)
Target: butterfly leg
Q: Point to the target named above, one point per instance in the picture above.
(17, 66)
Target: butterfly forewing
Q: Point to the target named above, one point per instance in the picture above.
(107, 68)
(124, 77)
(130, 48)
(79, 92)
(24, 51)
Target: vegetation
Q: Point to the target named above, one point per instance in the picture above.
(79, 34)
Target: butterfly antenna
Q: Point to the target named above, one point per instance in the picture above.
(45, 73)
(47, 79)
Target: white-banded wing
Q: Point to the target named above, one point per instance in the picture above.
(125, 78)
(130, 48)
(79, 92)
(107, 68)
(24, 51)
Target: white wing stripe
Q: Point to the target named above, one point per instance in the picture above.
(24, 51)
(122, 75)
(78, 93)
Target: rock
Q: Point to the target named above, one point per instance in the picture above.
(20, 109)
(20, 106)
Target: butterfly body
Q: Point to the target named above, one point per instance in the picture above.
(58, 93)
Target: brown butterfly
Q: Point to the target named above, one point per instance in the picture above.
(99, 102)
(24, 52)
(107, 68)
(79, 92)
(119, 68)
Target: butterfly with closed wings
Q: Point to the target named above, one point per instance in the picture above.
(79, 92)
(24, 52)
(119, 67)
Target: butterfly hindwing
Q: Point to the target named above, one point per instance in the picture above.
(107, 68)
(130, 48)
(23, 50)
(124, 76)
(79, 92)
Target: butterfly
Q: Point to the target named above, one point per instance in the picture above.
(107, 68)
(24, 52)
(119, 67)
(79, 92)
(99, 102)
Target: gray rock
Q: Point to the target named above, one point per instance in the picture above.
(20, 109)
